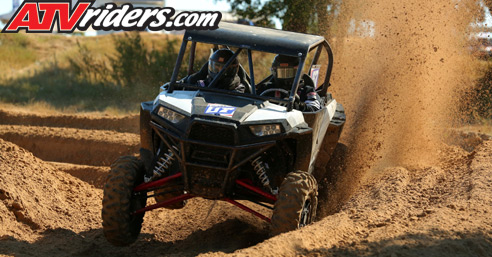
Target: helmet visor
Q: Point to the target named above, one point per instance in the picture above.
(286, 72)
(215, 67)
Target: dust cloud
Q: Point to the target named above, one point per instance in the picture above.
(400, 70)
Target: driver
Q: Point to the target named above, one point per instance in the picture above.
(229, 80)
(284, 69)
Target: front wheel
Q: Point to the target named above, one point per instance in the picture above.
(296, 203)
(120, 226)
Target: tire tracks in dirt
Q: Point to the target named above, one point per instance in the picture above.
(441, 210)
(128, 123)
(84, 153)
(81, 145)
(77, 146)
(412, 211)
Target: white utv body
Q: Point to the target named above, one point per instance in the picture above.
(225, 145)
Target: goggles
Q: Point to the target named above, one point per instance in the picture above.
(215, 67)
(285, 72)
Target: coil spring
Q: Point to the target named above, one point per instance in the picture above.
(261, 169)
(163, 163)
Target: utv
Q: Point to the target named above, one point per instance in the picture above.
(225, 145)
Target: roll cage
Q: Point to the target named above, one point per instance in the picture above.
(258, 39)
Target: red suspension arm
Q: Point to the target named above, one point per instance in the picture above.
(247, 209)
(256, 189)
(165, 203)
(160, 182)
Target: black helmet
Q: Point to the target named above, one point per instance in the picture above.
(218, 60)
(284, 70)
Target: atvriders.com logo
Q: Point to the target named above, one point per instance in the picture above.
(41, 17)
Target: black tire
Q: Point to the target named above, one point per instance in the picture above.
(296, 203)
(120, 227)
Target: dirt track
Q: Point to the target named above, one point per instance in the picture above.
(119, 124)
(437, 210)
(417, 193)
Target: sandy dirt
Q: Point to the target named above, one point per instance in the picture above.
(45, 211)
(18, 116)
(436, 210)
(415, 184)
(78, 146)
(430, 211)
(35, 192)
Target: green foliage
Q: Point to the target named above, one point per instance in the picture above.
(297, 14)
(87, 67)
(133, 66)
(59, 87)
(313, 16)
(131, 60)
(261, 13)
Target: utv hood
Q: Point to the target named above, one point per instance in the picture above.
(236, 108)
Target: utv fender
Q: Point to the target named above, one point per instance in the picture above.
(303, 151)
(146, 142)
(331, 137)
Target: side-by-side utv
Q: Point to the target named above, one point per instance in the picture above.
(225, 145)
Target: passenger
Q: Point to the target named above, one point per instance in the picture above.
(229, 80)
(284, 69)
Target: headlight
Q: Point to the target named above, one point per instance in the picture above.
(169, 115)
(265, 130)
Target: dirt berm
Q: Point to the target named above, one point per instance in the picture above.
(444, 210)
(82, 121)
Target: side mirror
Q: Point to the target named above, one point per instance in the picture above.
(164, 87)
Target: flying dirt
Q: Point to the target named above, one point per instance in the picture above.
(412, 185)
(403, 79)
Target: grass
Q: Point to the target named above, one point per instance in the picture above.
(16, 52)
(59, 88)
(37, 69)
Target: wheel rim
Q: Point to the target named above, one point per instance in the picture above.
(136, 203)
(305, 214)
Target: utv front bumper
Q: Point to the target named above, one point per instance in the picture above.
(209, 166)
(211, 151)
